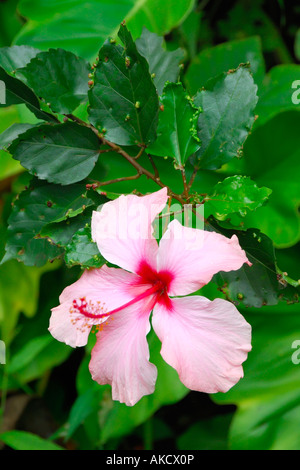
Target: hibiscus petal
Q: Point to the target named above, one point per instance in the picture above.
(193, 256)
(109, 286)
(123, 231)
(121, 355)
(206, 342)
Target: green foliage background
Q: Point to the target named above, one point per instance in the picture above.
(45, 383)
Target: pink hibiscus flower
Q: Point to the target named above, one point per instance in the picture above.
(205, 341)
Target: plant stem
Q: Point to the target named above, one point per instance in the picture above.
(116, 180)
(191, 182)
(132, 160)
(153, 166)
(186, 189)
(148, 434)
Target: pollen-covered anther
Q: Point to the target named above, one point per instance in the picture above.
(92, 313)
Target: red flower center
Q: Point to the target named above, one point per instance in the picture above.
(159, 282)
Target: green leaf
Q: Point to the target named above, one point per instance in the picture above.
(242, 21)
(21, 440)
(59, 77)
(176, 136)
(28, 279)
(63, 153)
(35, 358)
(256, 285)
(49, 357)
(36, 207)
(12, 133)
(209, 434)
(297, 45)
(16, 57)
(52, 24)
(8, 166)
(61, 233)
(19, 93)
(279, 92)
(159, 17)
(263, 283)
(268, 396)
(190, 31)
(228, 104)
(236, 194)
(10, 22)
(272, 159)
(211, 62)
(83, 407)
(163, 64)
(83, 251)
(124, 100)
(28, 353)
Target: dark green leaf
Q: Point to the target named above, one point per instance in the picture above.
(12, 133)
(19, 93)
(124, 100)
(15, 57)
(228, 104)
(61, 233)
(254, 285)
(59, 77)
(83, 251)
(242, 21)
(36, 207)
(83, 407)
(163, 64)
(177, 137)
(63, 153)
(209, 434)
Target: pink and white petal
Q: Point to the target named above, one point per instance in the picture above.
(115, 285)
(103, 290)
(72, 330)
(193, 256)
(123, 230)
(206, 342)
(121, 354)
